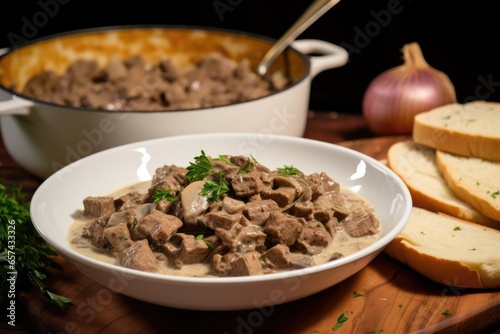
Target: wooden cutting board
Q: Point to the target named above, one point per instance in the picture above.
(385, 297)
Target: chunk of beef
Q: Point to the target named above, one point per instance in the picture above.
(257, 211)
(114, 70)
(245, 185)
(329, 204)
(98, 206)
(126, 217)
(237, 264)
(242, 237)
(94, 232)
(336, 256)
(82, 70)
(232, 206)
(158, 226)
(283, 196)
(118, 237)
(360, 223)
(313, 238)
(304, 209)
(221, 219)
(176, 174)
(298, 261)
(277, 257)
(228, 170)
(138, 256)
(216, 66)
(322, 184)
(332, 226)
(247, 264)
(187, 249)
(282, 228)
(130, 200)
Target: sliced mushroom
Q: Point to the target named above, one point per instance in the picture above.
(193, 203)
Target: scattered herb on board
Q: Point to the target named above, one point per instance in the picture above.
(356, 294)
(340, 321)
(377, 331)
(24, 255)
(446, 313)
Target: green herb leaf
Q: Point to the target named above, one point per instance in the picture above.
(288, 171)
(213, 189)
(357, 294)
(340, 321)
(446, 313)
(200, 169)
(163, 194)
(24, 255)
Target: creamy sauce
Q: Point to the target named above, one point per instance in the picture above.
(341, 243)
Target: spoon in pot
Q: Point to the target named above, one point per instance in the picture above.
(314, 12)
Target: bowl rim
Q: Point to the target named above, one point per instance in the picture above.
(92, 30)
(374, 248)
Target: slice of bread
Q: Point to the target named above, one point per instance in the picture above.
(448, 250)
(416, 166)
(475, 181)
(470, 129)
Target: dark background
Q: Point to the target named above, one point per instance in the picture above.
(460, 39)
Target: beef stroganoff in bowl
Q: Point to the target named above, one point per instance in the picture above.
(254, 227)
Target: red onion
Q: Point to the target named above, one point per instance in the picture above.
(395, 96)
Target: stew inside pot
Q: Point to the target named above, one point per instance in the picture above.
(132, 84)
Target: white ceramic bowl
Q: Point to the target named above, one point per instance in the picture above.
(61, 195)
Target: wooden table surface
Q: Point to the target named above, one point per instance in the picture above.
(395, 299)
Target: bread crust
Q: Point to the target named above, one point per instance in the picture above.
(442, 248)
(440, 270)
(413, 162)
(481, 190)
(431, 129)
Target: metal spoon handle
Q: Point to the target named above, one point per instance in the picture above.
(314, 12)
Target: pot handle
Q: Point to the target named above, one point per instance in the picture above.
(15, 106)
(332, 55)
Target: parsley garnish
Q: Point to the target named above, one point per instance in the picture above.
(251, 162)
(215, 188)
(163, 194)
(24, 255)
(288, 171)
(340, 321)
(457, 228)
(200, 169)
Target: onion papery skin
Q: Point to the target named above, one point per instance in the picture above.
(394, 97)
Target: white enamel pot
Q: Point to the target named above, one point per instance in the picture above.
(44, 137)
